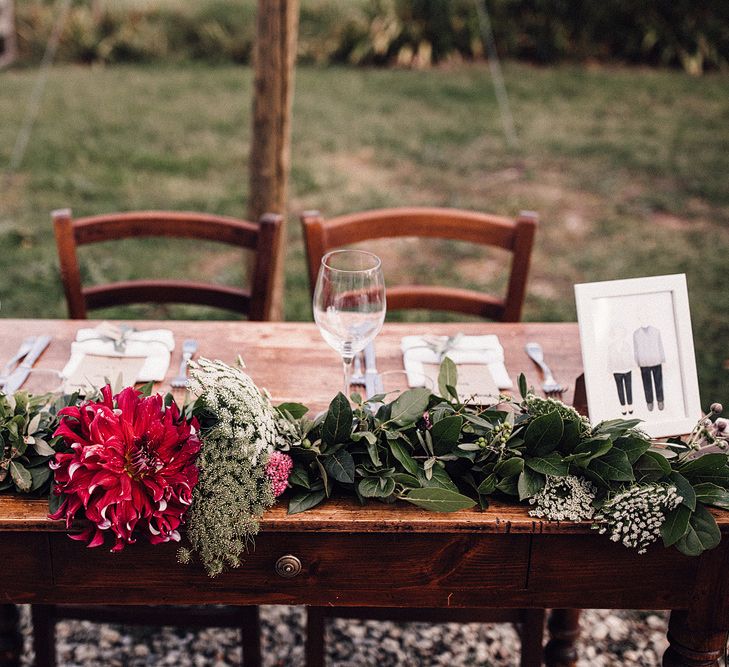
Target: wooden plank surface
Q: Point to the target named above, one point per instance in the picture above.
(291, 359)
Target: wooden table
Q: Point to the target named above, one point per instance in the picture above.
(379, 555)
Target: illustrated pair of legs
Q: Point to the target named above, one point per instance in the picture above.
(624, 383)
(652, 375)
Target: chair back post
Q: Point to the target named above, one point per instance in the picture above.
(263, 277)
(524, 231)
(63, 229)
(316, 244)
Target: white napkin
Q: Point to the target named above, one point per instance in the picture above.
(465, 350)
(154, 345)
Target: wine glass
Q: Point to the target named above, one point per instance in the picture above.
(349, 303)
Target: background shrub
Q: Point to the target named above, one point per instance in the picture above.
(677, 33)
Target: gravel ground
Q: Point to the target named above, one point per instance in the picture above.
(608, 638)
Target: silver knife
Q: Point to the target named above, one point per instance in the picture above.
(20, 374)
(373, 381)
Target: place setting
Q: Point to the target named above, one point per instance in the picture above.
(114, 353)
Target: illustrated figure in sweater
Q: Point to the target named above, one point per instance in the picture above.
(649, 355)
(620, 364)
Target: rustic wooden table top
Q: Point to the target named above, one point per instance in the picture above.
(493, 559)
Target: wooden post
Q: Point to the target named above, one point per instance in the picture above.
(7, 33)
(270, 158)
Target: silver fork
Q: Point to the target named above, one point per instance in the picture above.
(189, 347)
(550, 386)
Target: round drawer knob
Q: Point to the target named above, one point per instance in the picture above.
(288, 566)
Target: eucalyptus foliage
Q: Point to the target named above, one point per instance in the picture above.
(447, 454)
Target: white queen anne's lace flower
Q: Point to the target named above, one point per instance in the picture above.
(245, 415)
(234, 490)
(635, 516)
(564, 498)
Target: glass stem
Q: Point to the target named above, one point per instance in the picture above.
(347, 365)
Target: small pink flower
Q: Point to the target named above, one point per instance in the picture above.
(131, 468)
(278, 469)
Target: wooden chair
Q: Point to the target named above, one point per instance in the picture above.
(262, 237)
(514, 235)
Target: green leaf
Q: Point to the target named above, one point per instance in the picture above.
(445, 434)
(488, 486)
(440, 478)
(299, 477)
(439, 500)
(340, 466)
(369, 436)
(20, 476)
(296, 410)
(633, 446)
(616, 427)
(42, 448)
(613, 467)
(374, 453)
(372, 487)
(402, 455)
(146, 389)
(324, 477)
(702, 534)
(447, 377)
(409, 481)
(509, 467)
(543, 434)
(39, 476)
(338, 421)
(675, 525)
(55, 502)
(523, 389)
(530, 483)
(509, 485)
(409, 406)
(588, 450)
(707, 468)
(305, 501)
(551, 464)
(571, 436)
(652, 467)
(685, 490)
(711, 494)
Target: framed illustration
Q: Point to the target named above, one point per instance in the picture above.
(638, 353)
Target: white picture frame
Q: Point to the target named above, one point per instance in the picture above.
(637, 344)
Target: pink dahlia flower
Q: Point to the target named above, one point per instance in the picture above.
(278, 469)
(132, 466)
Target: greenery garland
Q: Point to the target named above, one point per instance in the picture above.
(447, 454)
(438, 452)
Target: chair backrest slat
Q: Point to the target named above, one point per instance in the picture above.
(513, 235)
(263, 238)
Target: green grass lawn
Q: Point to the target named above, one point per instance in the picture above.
(627, 167)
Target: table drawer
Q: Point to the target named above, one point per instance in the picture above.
(25, 566)
(336, 568)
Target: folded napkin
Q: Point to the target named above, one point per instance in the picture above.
(107, 340)
(419, 350)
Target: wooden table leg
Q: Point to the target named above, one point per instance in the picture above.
(564, 629)
(11, 641)
(691, 645)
